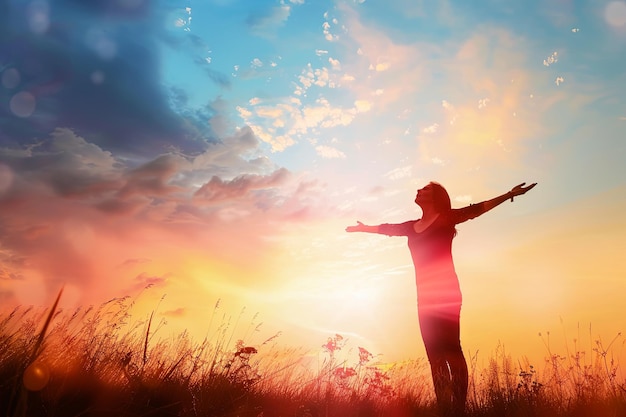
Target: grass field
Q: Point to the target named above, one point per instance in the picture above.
(101, 362)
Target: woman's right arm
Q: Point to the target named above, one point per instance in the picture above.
(360, 227)
(389, 229)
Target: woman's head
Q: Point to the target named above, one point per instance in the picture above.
(435, 195)
(441, 198)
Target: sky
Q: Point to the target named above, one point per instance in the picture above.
(196, 154)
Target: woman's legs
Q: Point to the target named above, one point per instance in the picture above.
(442, 381)
(459, 376)
(441, 331)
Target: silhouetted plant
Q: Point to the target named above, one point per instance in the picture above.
(102, 362)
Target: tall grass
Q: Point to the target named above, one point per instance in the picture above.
(103, 362)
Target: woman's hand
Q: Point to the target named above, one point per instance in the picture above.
(360, 227)
(520, 189)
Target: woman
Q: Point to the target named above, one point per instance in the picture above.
(438, 291)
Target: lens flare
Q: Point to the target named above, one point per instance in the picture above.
(36, 376)
(615, 14)
(23, 104)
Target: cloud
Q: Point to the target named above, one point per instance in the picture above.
(362, 106)
(198, 51)
(10, 266)
(463, 199)
(52, 166)
(336, 65)
(130, 263)
(327, 34)
(329, 152)
(281, 123)
(379, 63)
(154, 178)
(319, 77)
(178, 312)
(83, 77)
(218, 190)
(380, 66)
(267, 20)
(552, 59)
(217, 77)
(431, 129)
(233, 155)
(502, 81)
(103, 224)
(615, 14)
(399, 173)
(144, 281)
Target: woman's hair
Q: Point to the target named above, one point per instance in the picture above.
(441, 199)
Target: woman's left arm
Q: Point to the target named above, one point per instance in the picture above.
(475, 210)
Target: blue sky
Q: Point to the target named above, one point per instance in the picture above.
(163, 141)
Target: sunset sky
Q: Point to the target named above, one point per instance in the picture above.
(217, 149)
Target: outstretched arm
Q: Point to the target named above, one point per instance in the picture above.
(475, 210)
(360, 227)
(389, 229)
(515, 191)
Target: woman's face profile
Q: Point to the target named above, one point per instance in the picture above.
(424, 194)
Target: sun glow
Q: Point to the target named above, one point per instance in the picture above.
(227, 192)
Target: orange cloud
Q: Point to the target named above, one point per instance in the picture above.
(73, 214)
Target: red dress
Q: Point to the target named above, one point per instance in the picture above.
(438, 291)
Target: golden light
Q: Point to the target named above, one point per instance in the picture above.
(36, 376)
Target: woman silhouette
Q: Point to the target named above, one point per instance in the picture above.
(438, 290)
